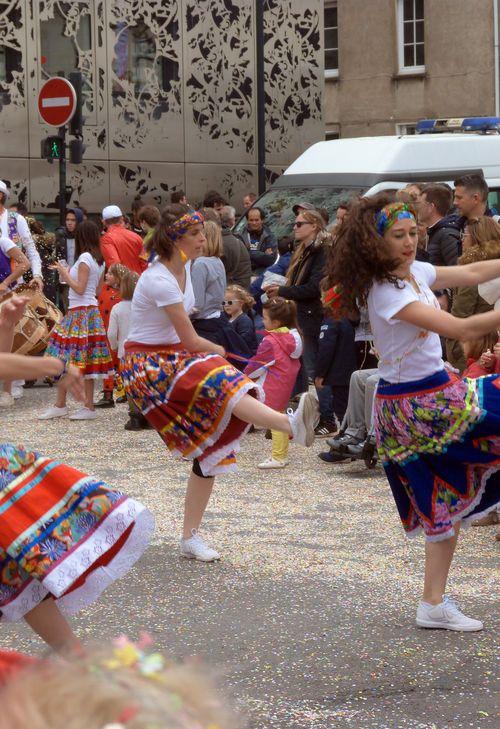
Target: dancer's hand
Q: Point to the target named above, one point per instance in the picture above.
(318, 382)
(487, 360)
(12, 311)
(73, 382)
(38, 281)
(63, 271)
(217, 349)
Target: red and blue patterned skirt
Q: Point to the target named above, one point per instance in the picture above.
(79, 339)
(439, 441)
(189, 397)
(62, 533)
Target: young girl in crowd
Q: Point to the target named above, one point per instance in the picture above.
(237, 305)
(198, 402)
(109, 295)
(64, 536)
(275, 367)
(80, 338)
(437, 435)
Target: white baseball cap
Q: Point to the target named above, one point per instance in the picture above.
(4, 189)
(111, 211)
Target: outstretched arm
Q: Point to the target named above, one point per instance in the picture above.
(472, 274)
(447, 325)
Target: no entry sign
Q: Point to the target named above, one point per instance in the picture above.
(57, 101)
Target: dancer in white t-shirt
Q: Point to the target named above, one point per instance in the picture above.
(80, 338)
(438, 436)
(199, 403)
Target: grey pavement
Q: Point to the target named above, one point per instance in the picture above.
(308, 621)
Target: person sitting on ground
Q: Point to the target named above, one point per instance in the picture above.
(236, 258)
(119, 245)
(259, 240)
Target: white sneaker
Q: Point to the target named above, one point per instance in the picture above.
(84, 414)
(273, 463)
(6, 400)
(304, 420)
(446, 615)
(196, 548)
(17, 392)
(53, 412)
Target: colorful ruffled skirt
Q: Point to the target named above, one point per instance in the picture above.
(79, 339)
(62, 533)
(439, 442)
(189, 399)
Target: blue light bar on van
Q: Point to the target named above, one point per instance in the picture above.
(468, 124)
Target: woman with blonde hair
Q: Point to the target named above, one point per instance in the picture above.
(209, 283)
(480, 242)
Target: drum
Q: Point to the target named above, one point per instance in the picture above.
(31, 334)
(43, 307)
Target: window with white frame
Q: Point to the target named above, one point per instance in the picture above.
(406, 128)
(331, 40)
(411, 50)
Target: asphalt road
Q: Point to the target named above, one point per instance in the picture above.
(308, 621)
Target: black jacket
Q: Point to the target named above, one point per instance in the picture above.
(336, 360)
(236, 260)
(259, 258)
(444, 245)
(305, 289)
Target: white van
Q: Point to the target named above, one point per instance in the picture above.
(332, 172)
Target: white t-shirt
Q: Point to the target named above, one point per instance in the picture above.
(156, 288)
(25, 242)
(406, 352)
(119, 325)
(6, 245)
(88, 298)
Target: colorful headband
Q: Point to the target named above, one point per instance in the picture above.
(392, 213)
(182, 225)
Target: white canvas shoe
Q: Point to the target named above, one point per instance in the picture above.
(273, 463)
(446, 616)
(84, 414)
(305, 419)
(53, 412)
(195, 547)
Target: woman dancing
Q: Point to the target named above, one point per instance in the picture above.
(64, 536)
(199, 404)
(438, 436)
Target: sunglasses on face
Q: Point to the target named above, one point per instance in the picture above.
(230, 302)
(300, 223)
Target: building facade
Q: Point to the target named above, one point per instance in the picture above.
(389, 63)
(170, 94)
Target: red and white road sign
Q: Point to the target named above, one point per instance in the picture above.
(57, 101)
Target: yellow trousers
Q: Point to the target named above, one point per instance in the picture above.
(280, 443)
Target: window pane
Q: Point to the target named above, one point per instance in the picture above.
(408, 33)
(10, 62)
(419, 9)
(59, 52)
(330, 39)
(335, 38)
(408, 10)
(419, 27)
(408, 56)
(331, 60)
(420, 54)
(330, 17)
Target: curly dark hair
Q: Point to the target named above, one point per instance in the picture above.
(359, 255)
(160, 241)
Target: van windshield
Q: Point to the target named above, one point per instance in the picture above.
(277, 203)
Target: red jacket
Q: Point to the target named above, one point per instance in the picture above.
(276, 365)
(119, 245)
(474, 369)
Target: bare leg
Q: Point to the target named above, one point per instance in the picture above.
(89, 394)
(197, 495)
(61, 396)
(252, 411)
(47, 621)
(438, 557)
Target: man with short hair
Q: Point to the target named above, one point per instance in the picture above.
(248, 200)
(214, 199)
(236, 258)
(179, 197)
(119, 245)
(259, 240)
(471, 198)
(443, 243)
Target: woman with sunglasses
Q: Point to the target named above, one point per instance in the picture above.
(181, 382)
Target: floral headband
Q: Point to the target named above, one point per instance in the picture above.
(389, 215)
(182, 225)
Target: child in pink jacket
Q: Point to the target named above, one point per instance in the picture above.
(276, 365)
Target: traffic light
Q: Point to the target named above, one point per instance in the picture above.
(76, 150)
(76, 123)
(52, 148)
